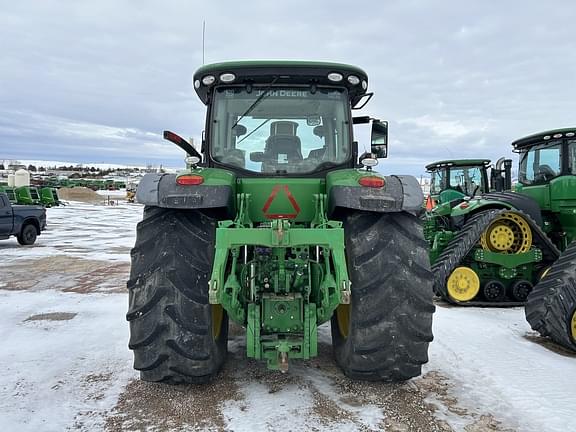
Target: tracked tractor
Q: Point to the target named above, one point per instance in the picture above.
(279, 226)
(491, 249)
(487, 248)
(498, 265)
(548, 175)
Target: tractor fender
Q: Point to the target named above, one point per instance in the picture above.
(161, 190)
(519, 202)
(399, 193)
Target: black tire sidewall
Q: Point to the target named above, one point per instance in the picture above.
(28, 235)
(387, 364)
(173, 256)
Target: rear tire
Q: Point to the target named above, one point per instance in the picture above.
(551, 306)
(176, 335)
(28, 235)
(386, 334)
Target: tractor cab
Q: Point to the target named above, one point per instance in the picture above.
(456, 179)
(548, 174)
(264, 123)
(546, 156)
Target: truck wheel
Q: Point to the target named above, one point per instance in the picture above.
(176, 335)
(383, 335)
(28, 235)
(551, 306)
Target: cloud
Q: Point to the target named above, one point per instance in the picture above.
(449, 129)
(103, 79)
(55, 138)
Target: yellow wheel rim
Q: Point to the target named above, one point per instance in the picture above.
(343, 318)
(463, 284)
(573, 325)
(217, 318)
(509, 233)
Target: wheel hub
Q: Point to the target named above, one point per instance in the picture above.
(502, 237)
(509, 233)
(463, 284)
(494, 290)
(521, 289)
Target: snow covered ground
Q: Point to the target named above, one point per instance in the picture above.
(65, 365)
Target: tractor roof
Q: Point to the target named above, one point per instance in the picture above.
(286, 72)
(457, 162)
(540, 137)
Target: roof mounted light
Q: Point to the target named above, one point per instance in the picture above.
(570, 134)
(547, 137)
(197, 84)
(558, 135)
(353, 79)
(364, 84)
(335, 77)
(208, 80)
(227, 77)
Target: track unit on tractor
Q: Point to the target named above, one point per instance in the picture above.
(279, 226)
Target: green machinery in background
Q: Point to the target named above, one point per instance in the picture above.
(30, 195)
(280, 227)
(94, 184)
(492, 248)
(460, 178)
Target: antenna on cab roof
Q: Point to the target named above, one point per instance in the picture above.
(203, 38)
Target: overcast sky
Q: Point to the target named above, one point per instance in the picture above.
(98, 81)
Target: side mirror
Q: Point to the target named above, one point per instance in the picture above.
(257, 156)
(379, 140)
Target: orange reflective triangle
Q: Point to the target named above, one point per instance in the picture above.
(273, 196)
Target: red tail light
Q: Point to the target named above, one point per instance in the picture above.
(187, 180)
(373, 182)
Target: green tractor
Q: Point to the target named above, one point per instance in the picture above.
(491, 249)
(276, 226)
(456, 179)
(548, 175)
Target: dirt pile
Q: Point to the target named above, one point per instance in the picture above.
(82, 194)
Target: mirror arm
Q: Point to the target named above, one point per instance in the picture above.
(182, 143)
